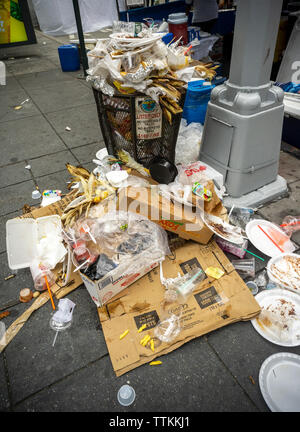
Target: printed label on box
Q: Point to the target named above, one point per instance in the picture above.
(207, 297)
(150, 319)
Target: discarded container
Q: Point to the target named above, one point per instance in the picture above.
(69, 58)
(245, 267)
(252, 287)
(233, 248)
(38, 273)
(197, 98)
(178, 26)
(126, 395)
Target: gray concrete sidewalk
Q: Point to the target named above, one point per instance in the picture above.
(211, 373)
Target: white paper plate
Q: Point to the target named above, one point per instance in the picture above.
(279, 381)
(209, 219)
(266, 298)
(261, 241)
(276, 279)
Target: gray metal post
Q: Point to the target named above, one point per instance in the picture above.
(243, 125)
(255, 35)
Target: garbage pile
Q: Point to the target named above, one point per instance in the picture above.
(166, 295)
(135, 60)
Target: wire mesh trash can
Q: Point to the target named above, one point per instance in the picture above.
(123, 121)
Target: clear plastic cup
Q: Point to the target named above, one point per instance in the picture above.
(126, 395)
(245, 266)
(38, 273)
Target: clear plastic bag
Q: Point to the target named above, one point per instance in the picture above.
(168, 329)
(192, 173)
(290, 224)
(121, 241)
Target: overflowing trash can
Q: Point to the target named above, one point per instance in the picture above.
(136, 123)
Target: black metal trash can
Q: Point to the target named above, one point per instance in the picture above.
(117, 117)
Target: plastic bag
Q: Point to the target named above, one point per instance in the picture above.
(192, 173)
(290, 224)
(124, 241)
(188, 143)
(168, 329)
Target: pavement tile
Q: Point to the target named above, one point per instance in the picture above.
(11, 85)
(88, 152)
(53, 163)
(243, 351)
(21, 66)
(55, 181)
(61, 96)
(33, 363)
(84, 124)
(12, 198)
(276, 211)
(3, 220)
(13, 98)
(12, 174)
(4, 398)
(43, 79)
(191, 378)
(289, 167)
(27, 138)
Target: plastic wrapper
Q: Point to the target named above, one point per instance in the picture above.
(102, 85)
(185, 285)
(262, 279)
(188, 143)
(176, 192)
(192, 173)
(240, 216)
(290, 224)
(123, 240)
(234, 249)
(168, 329)
(99, 52)
(130, 61)
(140, 74)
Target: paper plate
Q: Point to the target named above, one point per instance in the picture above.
(233, 235)
(279, 381)
(284, 282)
(266, 298)
(261, 241)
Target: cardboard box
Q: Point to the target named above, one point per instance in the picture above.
(215, 303)
(182, 220)
(112, 284)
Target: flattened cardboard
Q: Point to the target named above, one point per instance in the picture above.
(214, 304)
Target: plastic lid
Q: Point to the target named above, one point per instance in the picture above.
(177, 18)
(21, 242)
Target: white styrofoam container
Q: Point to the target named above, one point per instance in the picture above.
(22, 239)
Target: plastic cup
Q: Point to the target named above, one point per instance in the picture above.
(126, 395)
(252, 287)
(245, 266)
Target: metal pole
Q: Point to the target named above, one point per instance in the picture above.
(84, 59)
(118, 9)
